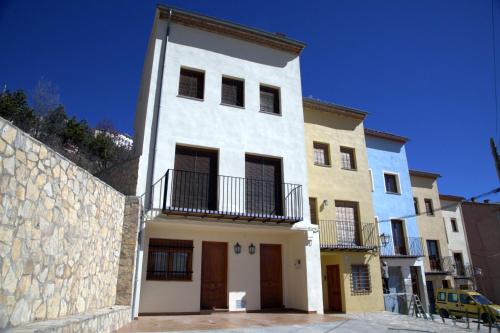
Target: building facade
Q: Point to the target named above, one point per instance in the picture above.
(220, 133)
(437, 261)
(401, 250)
(482, 225)
(458, 245)
(341, 204)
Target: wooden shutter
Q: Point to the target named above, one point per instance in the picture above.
(313, 206)
(191, 83)
(232, 92)
(263, 185)
(269, 100)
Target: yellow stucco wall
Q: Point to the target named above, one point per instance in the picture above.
(331, 183)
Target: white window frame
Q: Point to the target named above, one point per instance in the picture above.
(398, 182)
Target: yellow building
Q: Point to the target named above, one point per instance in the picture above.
(341, 203)
(438, 264)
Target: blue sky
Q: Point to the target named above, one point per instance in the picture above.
(422, 69)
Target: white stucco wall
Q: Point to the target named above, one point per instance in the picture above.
(457, 241)
(233, 131)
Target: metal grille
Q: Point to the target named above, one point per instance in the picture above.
(269, 100)
(429, 208)
(191, 83)
(360, 280)
(232, 91)
(341, 235)
(347, 158)
(321, 155)
(170, 259)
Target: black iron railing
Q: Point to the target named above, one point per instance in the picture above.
(202, 194)
(347, 235)
(444, 264)
(411, 247)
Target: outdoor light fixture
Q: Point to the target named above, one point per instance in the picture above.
(251, 249)
(325, 203)
(237, 248)
(385, 239)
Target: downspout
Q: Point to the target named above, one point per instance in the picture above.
(149, 181)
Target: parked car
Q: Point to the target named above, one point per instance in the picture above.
(460, 303)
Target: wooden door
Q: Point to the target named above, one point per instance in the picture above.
(271, 286)
(214, 275)
(334, 291)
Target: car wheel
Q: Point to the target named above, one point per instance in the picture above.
(443, 313)
(485, 318)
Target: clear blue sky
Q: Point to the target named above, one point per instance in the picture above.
(422, 68)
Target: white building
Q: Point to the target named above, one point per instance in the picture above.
(457, 241)
(120, 139)
(220, 132)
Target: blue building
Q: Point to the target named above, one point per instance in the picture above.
(401, 248)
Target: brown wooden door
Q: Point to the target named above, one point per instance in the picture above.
(214, 275)
(271, 287)
(334, 292)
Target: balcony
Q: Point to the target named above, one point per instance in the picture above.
(444, 265)
(347, 236)
(463, 271)
(186, 193)
(412, 248)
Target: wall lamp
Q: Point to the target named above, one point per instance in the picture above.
(251, 249)
(237, 248)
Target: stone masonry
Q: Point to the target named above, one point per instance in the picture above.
(60, 234)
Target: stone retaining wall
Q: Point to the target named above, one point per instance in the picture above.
(60, 233)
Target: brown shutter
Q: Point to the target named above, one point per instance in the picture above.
(191, 83)
(269, 100)
(232, 92)
(263, 193)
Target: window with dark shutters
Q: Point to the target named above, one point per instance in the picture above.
(195, 178)
(232, 92)
(313, 206)
(269, 100)
(170, 259)
(391, 183)
(191, 83)
(263, 185)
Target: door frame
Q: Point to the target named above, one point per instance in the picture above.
(226, 275)
(330, 303)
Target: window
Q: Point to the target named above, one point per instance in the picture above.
(170, 259)
(313, 206)
(415, 203)
(464, 298)
(452, 297)
(391, 183)
(232, 92)
(269, 100)
(454, 226)
(433, 253)
(191, 83)
(347, 158)
(346, 223)
(441, 296)
(360, 276)
(459, 264)
(321, 154)
(429, 208)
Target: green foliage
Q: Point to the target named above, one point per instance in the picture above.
(69, 136)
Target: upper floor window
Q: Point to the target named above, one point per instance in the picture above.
(391, 183)
(347, 158)
(429, 208)
(269, 100)
(321, 153)
(454, 225)
(313, 206)
(191, 83)
(232, 92)
(415, 203)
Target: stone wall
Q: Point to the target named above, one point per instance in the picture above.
(60, 234)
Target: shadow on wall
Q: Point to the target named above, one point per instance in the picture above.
(229, 46)
(384, 145)
(323, 118)
(422, 182)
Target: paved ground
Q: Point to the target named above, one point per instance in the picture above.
(294, 322)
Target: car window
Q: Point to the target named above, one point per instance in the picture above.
(452, 297)
(464, 299)
(480, 299)
(442, 296)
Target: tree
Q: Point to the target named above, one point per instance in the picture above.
(104, 149)
(52, 127)
(14, 107)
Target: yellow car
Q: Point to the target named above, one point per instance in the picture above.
(460, 303)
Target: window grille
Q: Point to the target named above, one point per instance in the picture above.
(347, 160)
(360, 280)
(191, 83)
(321, 154)
(429, 208)
(232, 92)
(170, 259)
(269, 100)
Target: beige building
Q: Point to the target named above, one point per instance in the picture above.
(341, 203)
(437, 261)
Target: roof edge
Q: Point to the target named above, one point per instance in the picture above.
(386, 135)
(449, 197)
(424, 174)
(231, 29)
(317, 104)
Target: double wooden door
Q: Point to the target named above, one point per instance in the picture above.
(271, 287)
(214, 276)
(334, 290)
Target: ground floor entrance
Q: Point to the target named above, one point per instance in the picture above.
(213, 276)
(351, 281)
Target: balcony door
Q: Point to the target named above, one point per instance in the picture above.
(346, 222)
(459, 263)
(194, 179)
(433, 252)
(398, 237)
(263, 195)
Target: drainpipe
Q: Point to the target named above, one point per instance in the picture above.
(149, 180)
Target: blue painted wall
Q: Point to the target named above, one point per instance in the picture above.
(390, 156)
